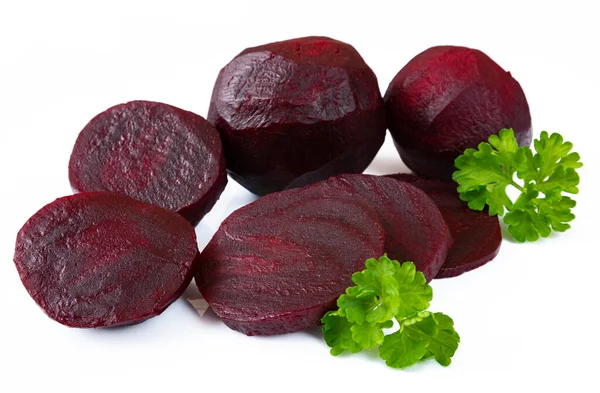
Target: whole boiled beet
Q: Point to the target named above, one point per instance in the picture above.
(294, 112)
(447, 99)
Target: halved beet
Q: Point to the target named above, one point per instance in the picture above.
(278, 264)
(450, 98)
(294, 112)
(103, 259)
(152, 152)
(477, 235)
(414, 227)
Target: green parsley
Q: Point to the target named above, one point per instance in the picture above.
(384, 291)
(542, 178)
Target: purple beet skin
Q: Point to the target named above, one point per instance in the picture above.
(447, 99)
(102, 259)
(477, 235)
(414, 227)
(152, 152)
(278, 264)
(294, 112)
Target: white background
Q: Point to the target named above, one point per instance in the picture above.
(528, 320)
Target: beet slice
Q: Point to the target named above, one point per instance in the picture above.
(103, 259)
(477, 235)
(450, 98)
(278, 264)
(294, 112)
(414, 227)
(152, 152)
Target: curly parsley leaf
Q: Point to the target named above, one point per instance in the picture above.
(421, 337)
(414, 293)
(483, 175)
(338, 334)
(386, 291)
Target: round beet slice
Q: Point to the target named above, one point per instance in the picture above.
(294, 112)
(414, 227)
(450, 98)
(103, 259)
(477, 236)
(278, 264)
(152, 152)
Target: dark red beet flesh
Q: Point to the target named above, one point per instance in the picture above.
(414, 227)
(152, 152)
(477, 235)
(294, 112)
(447, 99)
(103, 259)
(278, 264)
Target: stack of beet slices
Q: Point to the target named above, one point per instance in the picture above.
(277, 265)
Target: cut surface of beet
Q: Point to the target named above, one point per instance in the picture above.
(102, 259)
(450, 98)
(294, 112)
(278, 264)
(152, 152)
(414, 227)
(477, 236)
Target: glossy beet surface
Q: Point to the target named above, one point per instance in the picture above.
(103, 259)
(414, 227)
(477, 235)
(294, 112)
(278, 264)
(154, 153)
(448, 99)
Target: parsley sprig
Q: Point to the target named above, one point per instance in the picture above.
(385, 291)
(542, 178)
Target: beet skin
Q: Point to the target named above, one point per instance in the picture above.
(278, 264)
(294, 112)
(152, 152)
(447, 99)
(102, 259)
(414, 227)
(477, 236)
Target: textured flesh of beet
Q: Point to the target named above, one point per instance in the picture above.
(414, 227)
(294, 112)
(448, 99)
(477, 235)
(103, 259)
(152, 152)
(278, 264)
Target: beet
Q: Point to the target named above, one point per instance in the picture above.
(152, 152)
(103, 259)
(278, 264)
(447, 99)
(414, 227)
(477, 236)
(294, 112)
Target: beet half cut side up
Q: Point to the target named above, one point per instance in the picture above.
(278, 264)
(152, 152)
(103, 259)
(295, 112)
(414, 227)
(477, 235)
(447, 99)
